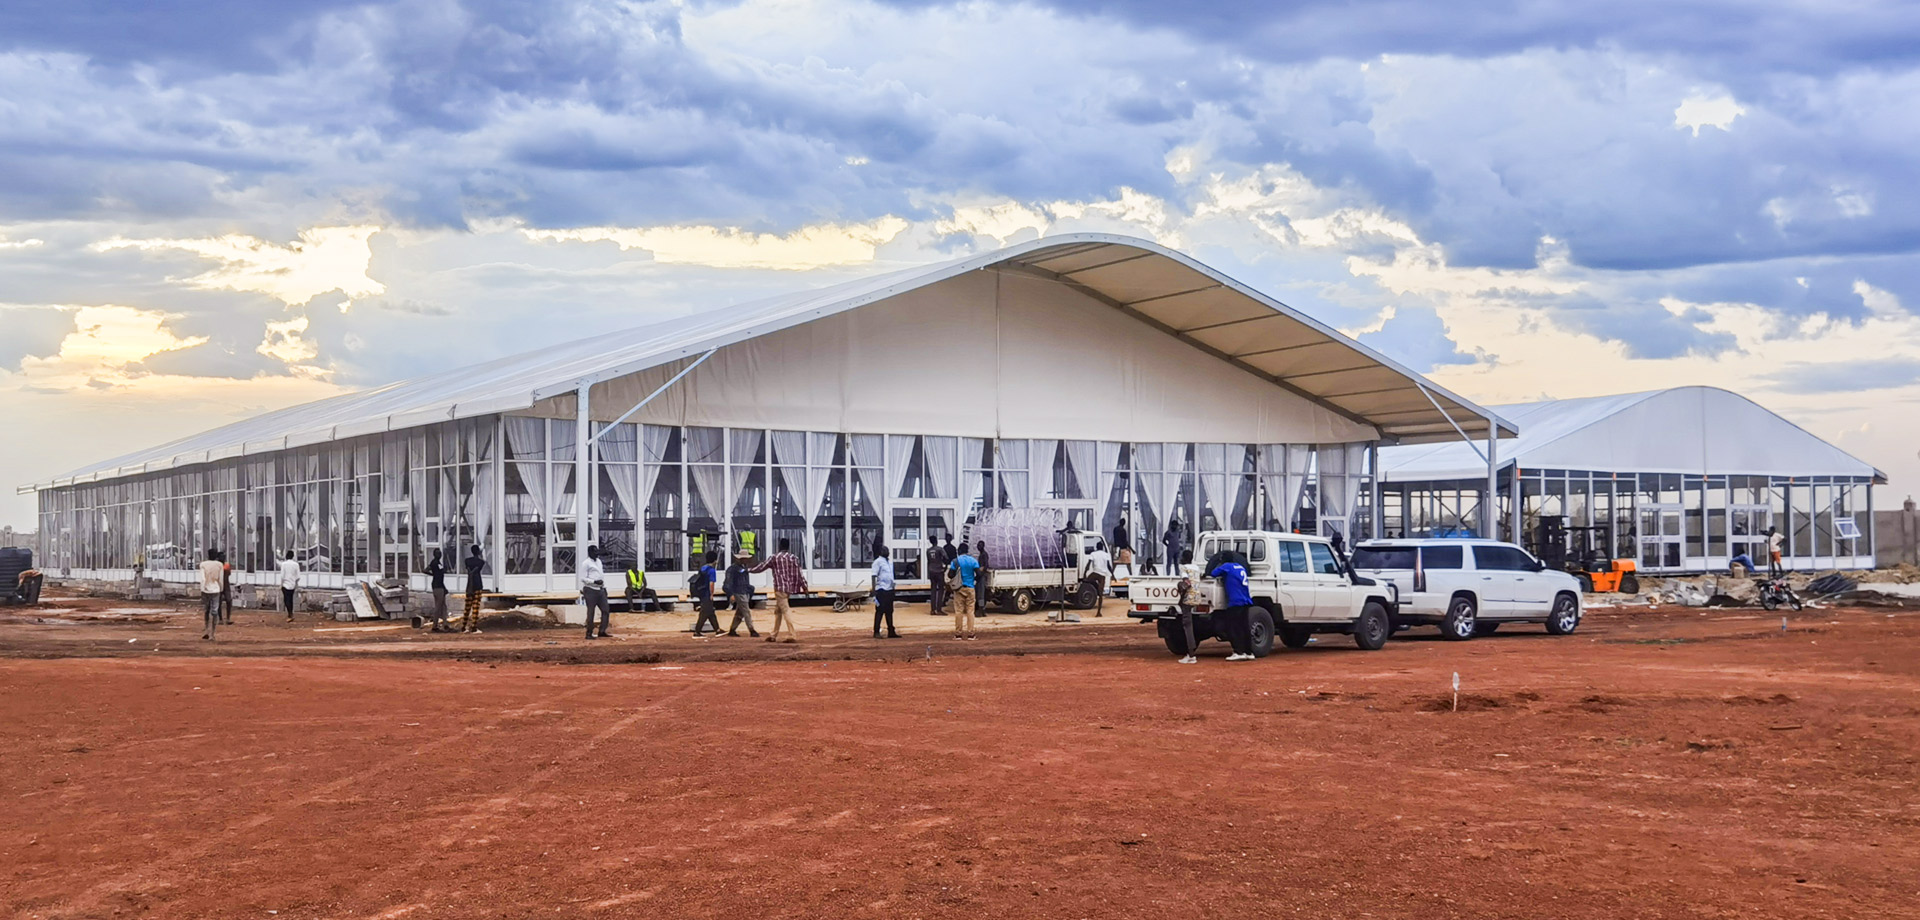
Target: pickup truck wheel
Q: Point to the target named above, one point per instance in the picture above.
(1462, 615)
(1565, 617)
(1175, 638)
(1086, 596)
(1295, 636)
(1260, 632)
(1019, 602)
(1371, 630)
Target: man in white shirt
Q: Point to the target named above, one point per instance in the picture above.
(1775, 539)
(289, 583)
(593, 592)
(213, 576)
(883, 592)
(1097, 567)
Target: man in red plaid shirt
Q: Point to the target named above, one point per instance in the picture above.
(787, 581)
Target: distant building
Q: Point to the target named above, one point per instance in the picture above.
(1681, 480)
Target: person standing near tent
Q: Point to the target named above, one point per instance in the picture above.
(1097, 567)
(593, 592)
(476, 565)
(787, 582)
(1775, 540)
(1175, 541)
(290, 582)
(437, 572)
(983, 579)
(226, 590)
(701, 584)
(883, 592)
(212, 575)
(739, 587)
(936, 570)
(961, 604)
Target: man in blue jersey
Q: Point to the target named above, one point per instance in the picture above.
(1233, 620)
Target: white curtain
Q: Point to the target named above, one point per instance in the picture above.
(618, 449)
(483, 489)
(790, 457)
(1107, 458)
(710, 483)
(1283, 471)
(943, 465)
(899, 458)
(871, 482)
(526, 438)
(746, 442)
(1342, 467)
(1040, 457)
(656, 439)
(1082, 460)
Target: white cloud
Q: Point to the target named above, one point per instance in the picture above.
(105, 340)
(20, 244)
(323, 259)
(1700, 111)
(813, 246)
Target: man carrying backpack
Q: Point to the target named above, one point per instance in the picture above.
(701, 584)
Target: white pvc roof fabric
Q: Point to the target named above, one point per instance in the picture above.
(1698, 430)
(1160, 287)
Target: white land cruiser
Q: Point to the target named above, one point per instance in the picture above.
(1470, 587)
(1298, 584)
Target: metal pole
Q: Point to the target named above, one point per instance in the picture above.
(1375, 519)
(1489, 502)
(582, 475)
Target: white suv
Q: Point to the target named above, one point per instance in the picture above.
(1470, 587)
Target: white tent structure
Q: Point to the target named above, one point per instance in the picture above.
(1107, 377)
(1680, 479)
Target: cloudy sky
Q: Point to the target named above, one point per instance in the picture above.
(209, 209)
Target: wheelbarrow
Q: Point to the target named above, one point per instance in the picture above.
(854, 599)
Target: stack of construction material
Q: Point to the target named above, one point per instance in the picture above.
(1020, 538)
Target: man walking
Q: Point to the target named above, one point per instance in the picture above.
(702, 587)
(787, 581)
(1097, 567)
(1775, 540)
(961, 604)
(883, 591)
(437, 583)
(739, 585)
(290, 583)
(476, 567)
(212, 576)
(593, 592)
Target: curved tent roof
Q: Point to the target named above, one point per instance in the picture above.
(1698, 430)
(1155, 285)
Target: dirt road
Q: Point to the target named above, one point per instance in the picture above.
(1661, 764)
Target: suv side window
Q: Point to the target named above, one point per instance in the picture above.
(1500, 559)
(1323, 561)
(1441, 557)
(1293, 556)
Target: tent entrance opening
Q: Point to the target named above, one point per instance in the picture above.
(1660, 536)
(911, 526)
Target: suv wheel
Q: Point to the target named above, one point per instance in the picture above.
(1565, 617)
(1260, 631)
(1371, 630)
(1295, 636)
(1461, 617)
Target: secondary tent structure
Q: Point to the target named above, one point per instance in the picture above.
(1105, 377)
(1681, 480)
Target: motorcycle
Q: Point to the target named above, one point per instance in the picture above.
(1775, 592)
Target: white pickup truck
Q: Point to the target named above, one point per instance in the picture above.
(1298, 584)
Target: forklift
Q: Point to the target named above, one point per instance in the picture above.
(1585, 553)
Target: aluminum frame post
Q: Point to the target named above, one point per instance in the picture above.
(583, 511)
(1489, 503)
(1376, 519)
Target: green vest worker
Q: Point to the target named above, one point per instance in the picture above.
(749, 543)
(637, 589)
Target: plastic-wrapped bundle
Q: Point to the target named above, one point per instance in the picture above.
(1020, 538)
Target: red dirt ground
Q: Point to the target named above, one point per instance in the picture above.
(1658, 764)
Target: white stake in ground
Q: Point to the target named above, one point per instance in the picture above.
(1456, 691)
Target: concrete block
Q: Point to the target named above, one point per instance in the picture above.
(570, 614)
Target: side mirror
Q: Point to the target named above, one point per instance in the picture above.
(1536, 566)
